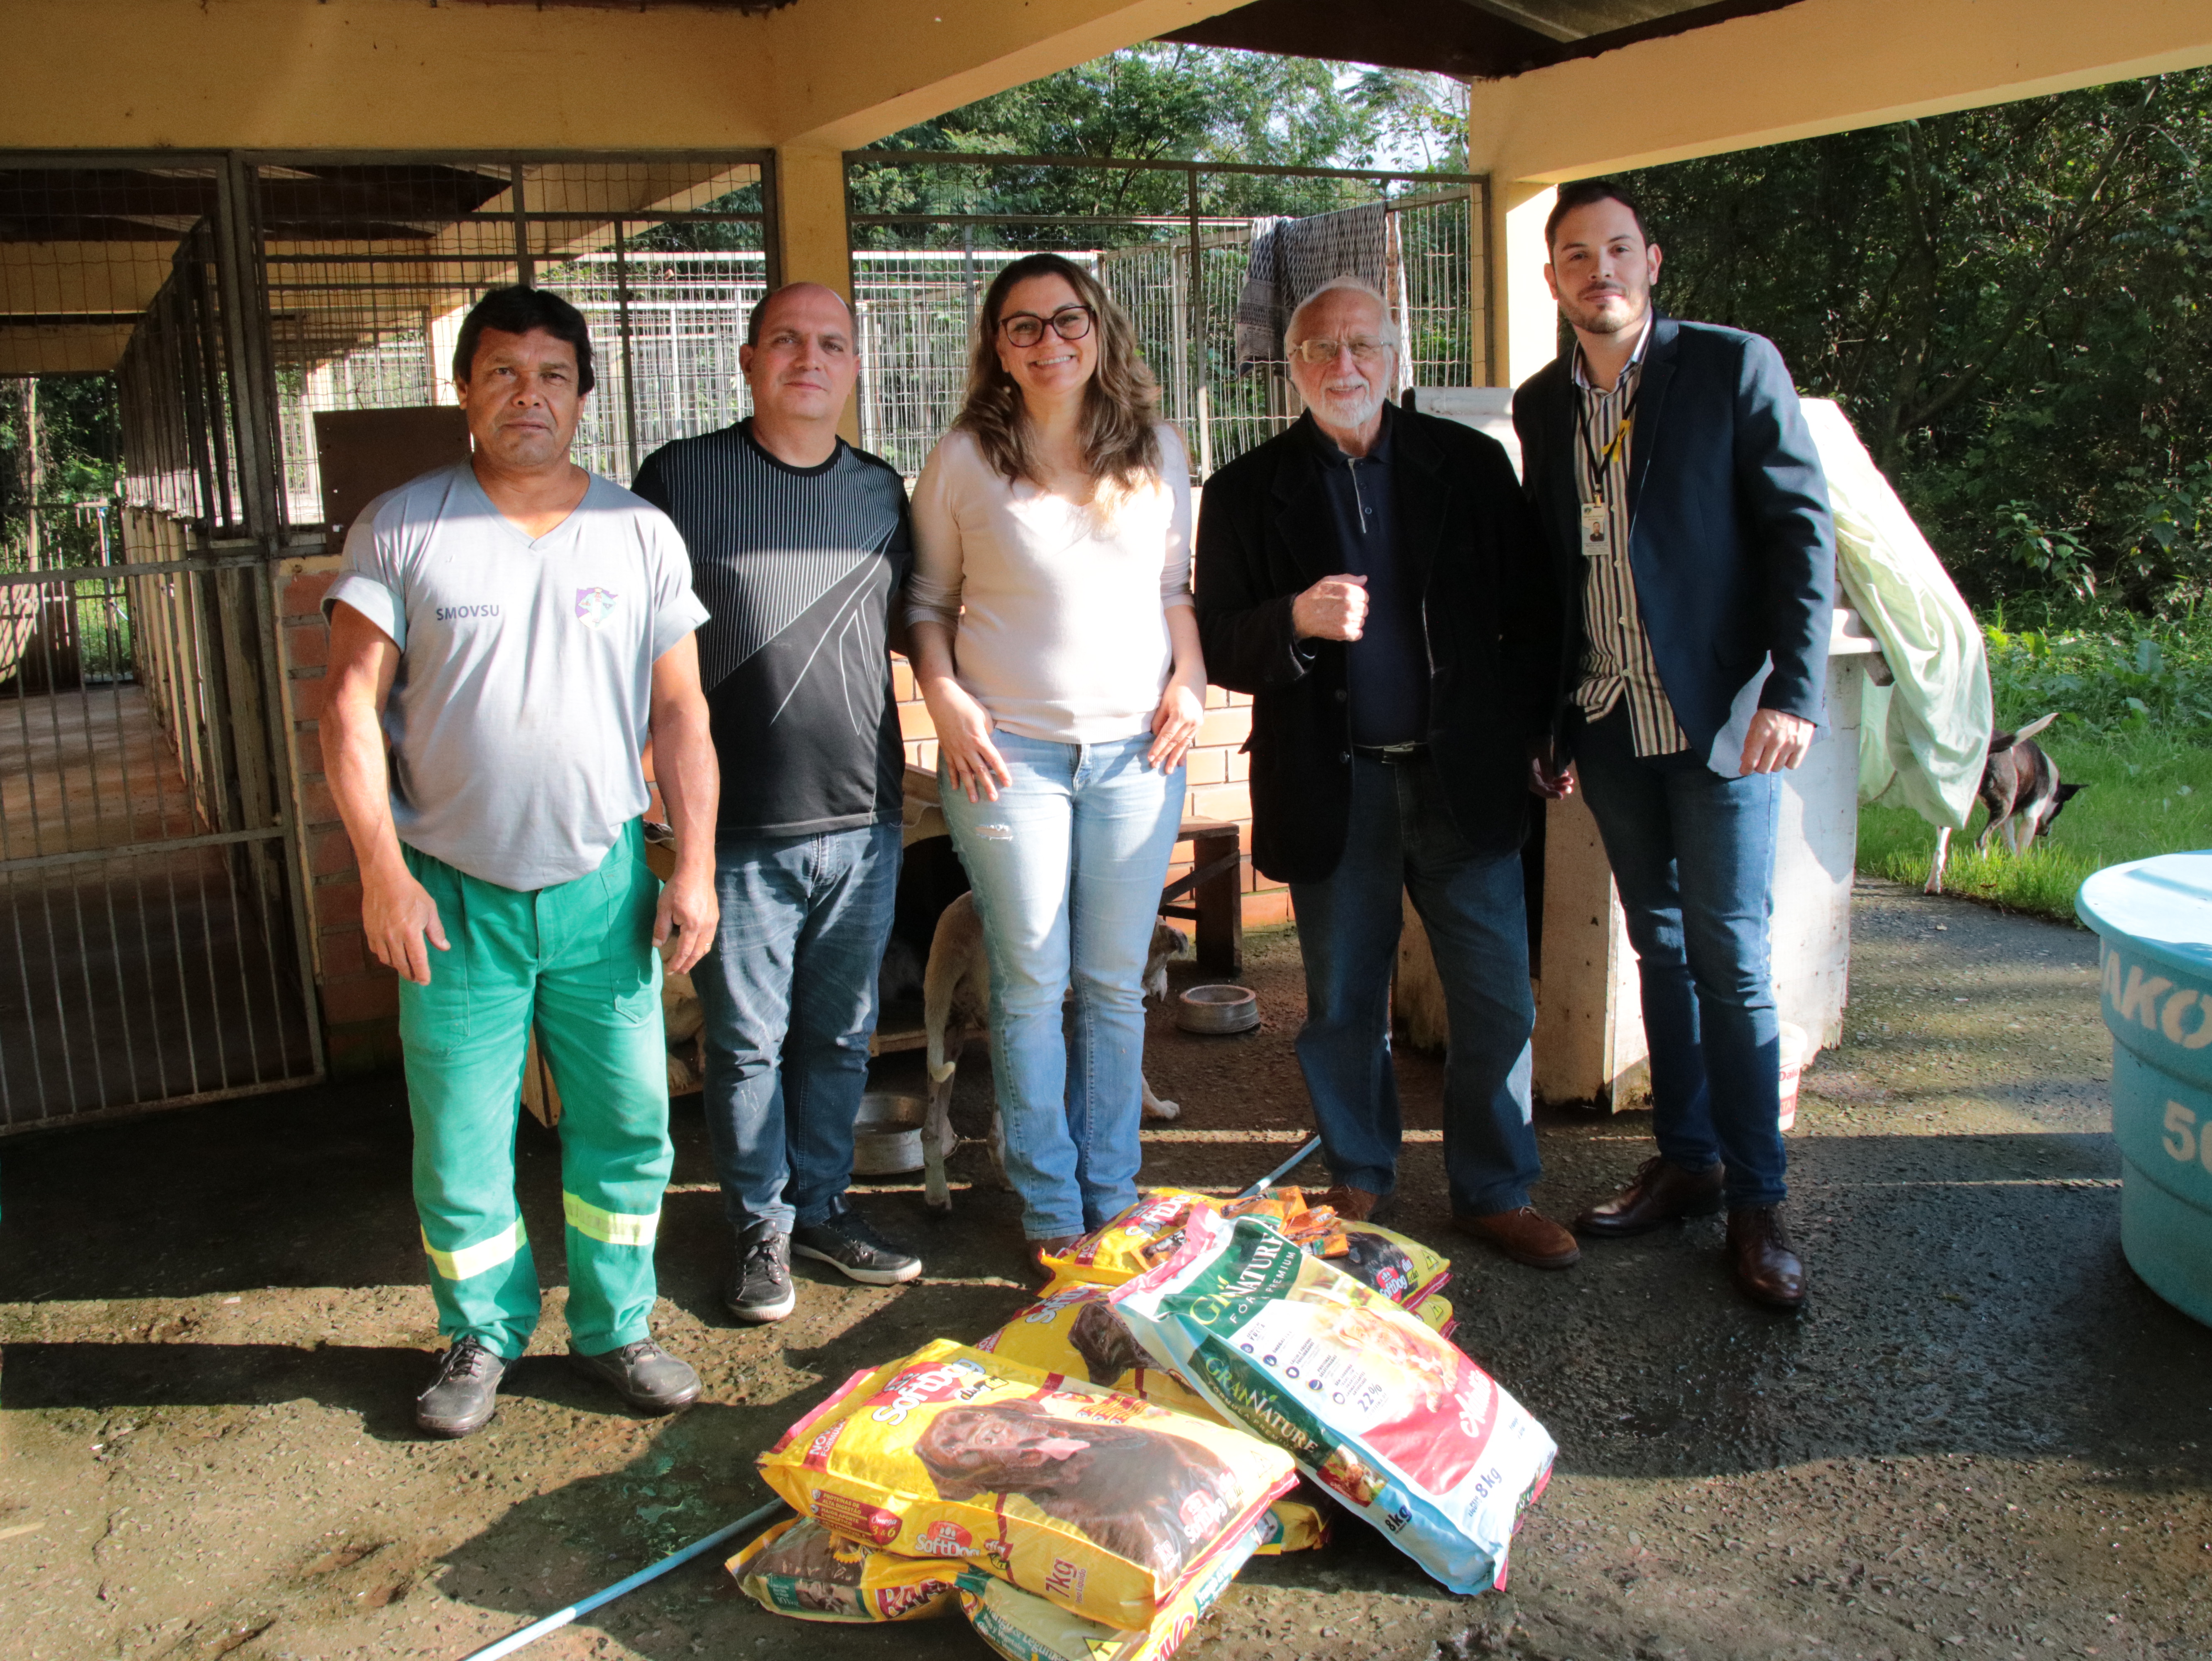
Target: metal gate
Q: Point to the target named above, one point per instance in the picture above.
(152, 942)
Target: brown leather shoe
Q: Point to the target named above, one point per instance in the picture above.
(1527, 1236)
(1767, 1269)
(1658, 1193)
(1357, 1205)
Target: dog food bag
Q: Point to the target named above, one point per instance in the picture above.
(1101, 1503)
(1398, 1267)
(1303, 1522)
(1435, 1312)
(1075, 1330)
(799, 1568)
(1141, 1237)
(1023, 1626)
(1375, 1406)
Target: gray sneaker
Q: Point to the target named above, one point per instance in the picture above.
(848, 1244)
(643, 1374)
(759, 1289)
(463, 1394)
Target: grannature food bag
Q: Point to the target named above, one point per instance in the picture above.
(1074, 1329)
(1374, 1406)
(1100, 1502)
(1025, 1627)
(799, 1568)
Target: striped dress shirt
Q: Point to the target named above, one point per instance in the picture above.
(1616, 662)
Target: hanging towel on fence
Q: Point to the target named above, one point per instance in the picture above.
(1922, 739)
(1291, 259)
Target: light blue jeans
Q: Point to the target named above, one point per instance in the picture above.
(1066, 868)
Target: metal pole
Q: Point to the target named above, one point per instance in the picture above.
(552, 1623)
(525, 268)
(1195, 355)
(1312, 1148)
(629, 379)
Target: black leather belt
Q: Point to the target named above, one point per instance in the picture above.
(1391, 752)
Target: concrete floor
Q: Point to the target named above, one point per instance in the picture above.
(1985, 1438)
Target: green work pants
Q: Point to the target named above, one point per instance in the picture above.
(576, 960)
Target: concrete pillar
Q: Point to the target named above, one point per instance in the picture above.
(813, 240)
(1527, 325)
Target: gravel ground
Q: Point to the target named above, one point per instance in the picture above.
(1983, 1438)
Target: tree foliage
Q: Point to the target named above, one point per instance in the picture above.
(1162, 102)
(2009, 302)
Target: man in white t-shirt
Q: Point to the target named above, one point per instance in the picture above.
(516, 630)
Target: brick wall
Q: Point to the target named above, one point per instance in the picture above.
(1216, 779)
(360, 998)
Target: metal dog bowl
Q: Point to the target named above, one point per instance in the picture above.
(1218, 1009)
(887, 1134)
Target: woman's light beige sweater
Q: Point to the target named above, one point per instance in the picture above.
(1058, 611)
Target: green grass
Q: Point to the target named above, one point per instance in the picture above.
(2149, 792)
(2134, 697)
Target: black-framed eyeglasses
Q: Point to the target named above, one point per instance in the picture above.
(1027, 328)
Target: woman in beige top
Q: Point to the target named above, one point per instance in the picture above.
(1054, 643)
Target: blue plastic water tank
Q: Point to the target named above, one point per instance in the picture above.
(2154, 919)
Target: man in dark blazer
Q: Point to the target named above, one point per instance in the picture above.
(1374, 579)
(1687, 520)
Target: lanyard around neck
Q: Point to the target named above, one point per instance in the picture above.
(1600, 460)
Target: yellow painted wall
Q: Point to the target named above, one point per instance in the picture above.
(403, 74)
(1819, 66)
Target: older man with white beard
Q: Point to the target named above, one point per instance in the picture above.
(1373, 577)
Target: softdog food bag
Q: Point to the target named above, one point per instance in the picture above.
(1376, 1407)
(1099, 1502)
(799, 1568)
(1074, 1329)
(1024, 1627)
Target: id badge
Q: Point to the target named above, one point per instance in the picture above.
(1597, 526)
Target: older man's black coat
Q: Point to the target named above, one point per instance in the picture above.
(1495, 633)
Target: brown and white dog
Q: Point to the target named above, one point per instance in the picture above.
(955, 1004)
(2020, 788)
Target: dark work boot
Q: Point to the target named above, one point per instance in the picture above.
(643, 1374)
(464, 1393)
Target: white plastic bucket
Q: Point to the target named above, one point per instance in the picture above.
(1796, 1050)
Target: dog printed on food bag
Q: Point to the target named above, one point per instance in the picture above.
(1107, 1481)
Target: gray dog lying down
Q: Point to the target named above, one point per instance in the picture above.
(956, 1003)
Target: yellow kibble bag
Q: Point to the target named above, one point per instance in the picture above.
(1024, 1627)
(1101, 1503)
(1141, 1237)
(799, 1568)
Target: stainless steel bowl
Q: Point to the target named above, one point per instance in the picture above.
(887, 1134)
(1218, 1009)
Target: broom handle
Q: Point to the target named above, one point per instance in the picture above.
(554, 1622)
(1292, 1164)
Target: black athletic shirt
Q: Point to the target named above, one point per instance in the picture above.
(798, 569)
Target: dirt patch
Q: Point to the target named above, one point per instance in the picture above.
(1985, 1437)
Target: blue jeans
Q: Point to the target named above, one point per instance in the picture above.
(1066, 868)
(1693, 855)
(1400, 837)
(788, 989)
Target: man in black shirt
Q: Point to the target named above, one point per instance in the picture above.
(1372, 577)
(800, 544)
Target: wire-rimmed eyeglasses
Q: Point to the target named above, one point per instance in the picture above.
(1365, 349)
(1027, 328)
